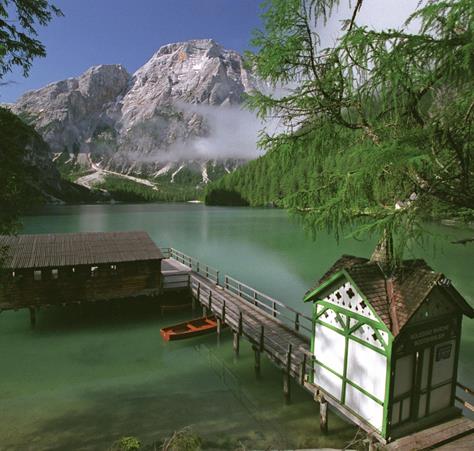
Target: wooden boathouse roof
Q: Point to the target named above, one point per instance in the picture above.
(71, 249)
(412, 284)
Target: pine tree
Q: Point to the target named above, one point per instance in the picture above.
(386, 115)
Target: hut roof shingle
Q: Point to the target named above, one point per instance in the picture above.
(412, 283)
(71, 249)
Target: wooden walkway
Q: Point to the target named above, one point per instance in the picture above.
(283, 335)
(457, 434)
(273, 329)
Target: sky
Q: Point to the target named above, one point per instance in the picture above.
(129, 32)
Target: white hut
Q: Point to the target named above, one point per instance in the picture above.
(386, 346)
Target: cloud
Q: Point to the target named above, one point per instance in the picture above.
(233, 133)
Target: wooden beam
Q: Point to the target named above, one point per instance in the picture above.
(287, 376)
(303, 370)
(219, 327)
(223, 312)
(32, 317)
(323, 414)
(236, 343)
(257, 360)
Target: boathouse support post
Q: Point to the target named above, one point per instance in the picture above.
(256, 351)
(323, 413)
(209, 306)
(32, 317)
(287, 376)
(262, 338)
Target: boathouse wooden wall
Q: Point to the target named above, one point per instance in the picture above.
(49, 286)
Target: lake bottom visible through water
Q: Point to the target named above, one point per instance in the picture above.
(84, 377)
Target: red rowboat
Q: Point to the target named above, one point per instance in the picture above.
(191, 328)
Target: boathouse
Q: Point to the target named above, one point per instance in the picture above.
(52, 269)
(386, 345)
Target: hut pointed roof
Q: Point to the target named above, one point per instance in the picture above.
(411, 284)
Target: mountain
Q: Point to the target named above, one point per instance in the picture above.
(27, 168)
(152, 124)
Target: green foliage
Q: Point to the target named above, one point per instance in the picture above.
(187, 177)
(18, 23)
(125, 190)
(126, 444)
(183, 440)
(69, 167)
(18, 177)
(384, 118)
(218, 196)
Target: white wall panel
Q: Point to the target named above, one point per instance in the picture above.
(396, 413)
(367, 369)
(440, 398)
(330, 317)
(443, 362)
(328, 381)
(364, 407)
(329, 347)
(403, 375)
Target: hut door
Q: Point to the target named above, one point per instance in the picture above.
(434, 378)
(423, 363)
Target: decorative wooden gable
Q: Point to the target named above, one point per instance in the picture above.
(351, 347)
(435, 306)
(348, 298)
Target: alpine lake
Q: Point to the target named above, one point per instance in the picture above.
(84, 377)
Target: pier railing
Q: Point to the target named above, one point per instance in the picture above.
(291, 318)
(193, 263)
(244, 323)
(465, 396)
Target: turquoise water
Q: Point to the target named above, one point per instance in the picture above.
(84, 378)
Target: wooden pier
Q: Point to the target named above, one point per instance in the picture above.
(62, 269)
(283, 334)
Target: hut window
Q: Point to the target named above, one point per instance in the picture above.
(37, 275)
(94, 271)
(54, 274)
(350, 293)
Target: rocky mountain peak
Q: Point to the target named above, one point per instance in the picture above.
(111, 114)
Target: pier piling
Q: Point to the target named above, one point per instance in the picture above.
(257, 360)
(323, 414)
(32, 317)
(236, 343)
